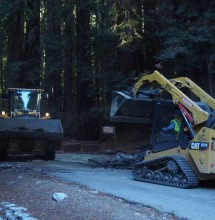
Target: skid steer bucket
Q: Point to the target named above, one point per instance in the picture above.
(126, 108)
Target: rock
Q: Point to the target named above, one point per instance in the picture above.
(9, 215)
(29, 218)
(4, 203)
(14, 209)
(5, 166)
(8, 205)
(59, 197)
(21, 215)
(38, 182)
(94, 192)
(13, 212)
(136, 213)
(16, 165)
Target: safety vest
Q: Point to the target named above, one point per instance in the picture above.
(177, 125)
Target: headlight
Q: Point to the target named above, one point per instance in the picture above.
(3, 113)
(47, 114)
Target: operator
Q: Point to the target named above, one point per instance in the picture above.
(175, 125)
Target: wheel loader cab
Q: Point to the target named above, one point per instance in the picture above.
(24, 103)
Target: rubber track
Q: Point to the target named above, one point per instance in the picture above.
(192, 180)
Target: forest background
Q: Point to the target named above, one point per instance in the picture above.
(79, 51)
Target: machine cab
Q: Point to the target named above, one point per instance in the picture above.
(19, 102)
(23, 102)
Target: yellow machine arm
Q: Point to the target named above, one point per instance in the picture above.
(195, 89)
(199, 115)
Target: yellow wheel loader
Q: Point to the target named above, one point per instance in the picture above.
(26, 130)
(182, 153)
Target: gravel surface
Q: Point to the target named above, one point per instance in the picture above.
(29, 195)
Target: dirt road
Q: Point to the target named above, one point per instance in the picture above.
(27, 194)
(98, 193)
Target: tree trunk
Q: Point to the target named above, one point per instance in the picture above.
(211, 77)
(53, 60)
(30, 77)
(83, 55)
(68, 56)
(150, 28)
(15, 32)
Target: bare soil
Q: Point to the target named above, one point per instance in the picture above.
(32, 190)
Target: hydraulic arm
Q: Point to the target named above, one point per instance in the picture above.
(199, 115)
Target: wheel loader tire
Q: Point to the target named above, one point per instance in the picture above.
(49, 155)
(3, 155)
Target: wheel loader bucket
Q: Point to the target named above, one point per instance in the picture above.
(50, 129)
(126, 108)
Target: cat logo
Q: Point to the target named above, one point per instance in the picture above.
(198, 145)
(195, 146)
